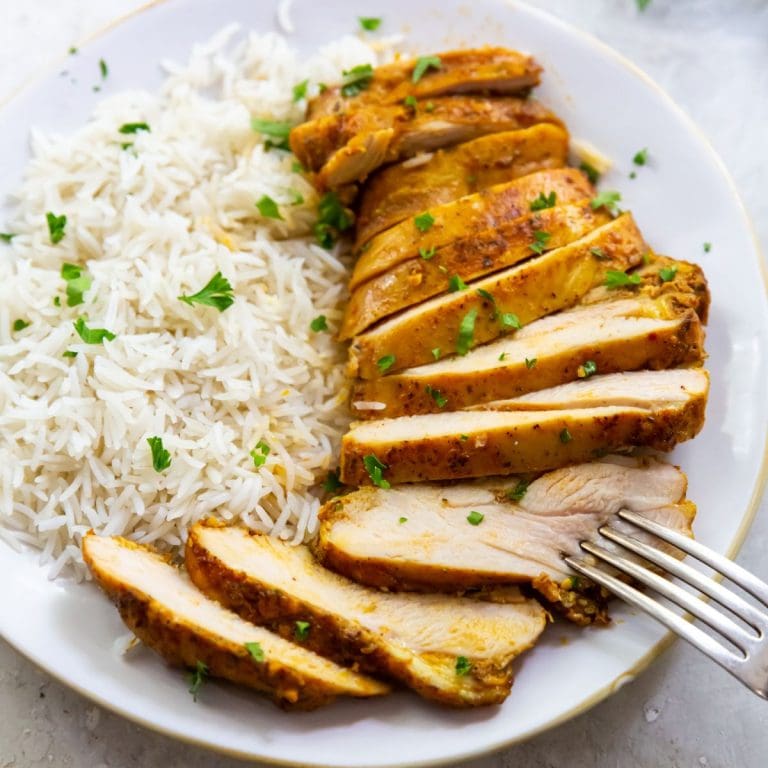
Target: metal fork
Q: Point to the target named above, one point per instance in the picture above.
(750, 665)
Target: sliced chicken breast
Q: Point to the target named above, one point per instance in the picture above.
(622, 335)
(470, 257)
(346, 147)
(533, 433)
(167, 613)
(467, 216)
(491, 307)
(478, 70)
(454, 650)
(418, 537)
(412, 188)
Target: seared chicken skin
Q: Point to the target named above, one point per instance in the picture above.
(493, 306)
(479, 70)
(346, 147)
(454, 650)
(535, 432)
(622, 335)
(470, 257)
(418, 537)
(412, 188)
(167, 613)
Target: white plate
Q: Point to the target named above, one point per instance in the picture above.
(681, 200)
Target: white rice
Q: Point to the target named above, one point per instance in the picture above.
(151, 223)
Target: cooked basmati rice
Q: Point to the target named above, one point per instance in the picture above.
(151, 222)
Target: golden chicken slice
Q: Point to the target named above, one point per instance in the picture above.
(535, 432)
(467, 216)
(498, 531)
(162, 607)
(471, 70)
(494, 306)
(621, 335)
(454, 650)
(412, 188)
(470, 257)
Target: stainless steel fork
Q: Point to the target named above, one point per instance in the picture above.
(749, 663)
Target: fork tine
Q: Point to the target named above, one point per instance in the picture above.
(706, 613)
(665, 616)
(738, 575)
(725, 597)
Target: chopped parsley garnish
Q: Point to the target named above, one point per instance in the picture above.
(424, 221)
(544, 201)
(72, 51)
(320, 323)
(423, 63)
(356, 79)
(259, 453)
(632, 175)
(539, 243)
(517, 493)
(475, 518)
(104, 69)
(126, 145)
(56, 226)
(707, 247)
(297, 167)
(463, 438)
(411, 101)
(455, 283)
(20, 325)
(6, 237)
(130, 128)
(667, 273)
(466, 335)
(216, 293)
(430, 107)
(590, 172)
(275, 129)
(369, 23)
(296, 197)
(641, 157)
(572, 582)
(196, 678)
(56, 301)
(161, 459)
(427, 253)
(463, 666)
(402, 520)
(301, 633)
(92, 335)
(565, 436)
(69, 353)
(510, 320)
(607, 199)
(300, 90)
(385, 363)
(642, 4)
(487, 295)
(256, 651)
(530, 363)
(615, 278)
(332, 482)
(502, 357)
(587, 369)
(268, 208)
(332, 219)
(77, 283)
(436, 353)
(646, 258)
(375, 470)
(435, 394)
(598, 253)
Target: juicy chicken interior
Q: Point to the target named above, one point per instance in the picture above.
(621, 335)
(417, 639)
(167, 613)
(417, 537)
(535, 432)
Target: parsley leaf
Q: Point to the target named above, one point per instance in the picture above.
(92, 335)
(411, 101)
(475, 518)
(385, 363)
(369, 23)
(642, 4)
(598, 253)
(510, 320)
(320, 323)
(607, 199)
(614, 278)
(375, 470)
(300, 91)
(103, 68)
(56, 226)
(216, 293)
(423, 63)
(667, 273)
(440, 401)
(587, 369)
(436, 353)
(590, 172)
(424, 221)
(69, 353)
(641, 157)
(332, 482)
(332, 219)
(356, 79)
(517, 493)
(301, 633)
(196, 678)
(259, 453)
(6, 237)
(130, 128)
(20, 325)
(256, 651)
(463, 666)
(402, 520)
(565, 436)
(161, 459)
(530, 363)
(275, 129)
(707, 247)
(77, 283)
(502, 357)
(427, 253)
(455, 283)
(466, 335)
(539, 243)
(487, 295)
(543, 201)
(268, 208)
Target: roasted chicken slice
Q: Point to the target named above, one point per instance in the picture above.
(467, 216)
(533, 433)
(476, 255)
(412, 188)
(622, 335)
(478, 70)
(418, 537)
(493, 306)
(454, 650)
(346, 147)
(167, 613)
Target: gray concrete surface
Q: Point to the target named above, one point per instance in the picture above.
(712, 57)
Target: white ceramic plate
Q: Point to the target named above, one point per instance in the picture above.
(683, 199)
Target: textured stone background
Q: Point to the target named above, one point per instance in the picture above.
(712, 57)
